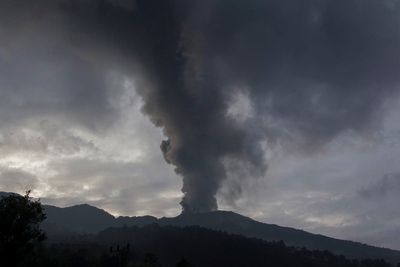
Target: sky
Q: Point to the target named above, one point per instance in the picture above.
(284, 111)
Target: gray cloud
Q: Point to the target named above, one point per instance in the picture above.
(16, 180)
(43, 74)
(311, 71)
(388, 185)
(320, 192)
(121, 187)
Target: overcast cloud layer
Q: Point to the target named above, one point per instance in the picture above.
(285, 111)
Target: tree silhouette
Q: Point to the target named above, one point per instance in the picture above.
(183, 263)
(151, 260)
(20, 217)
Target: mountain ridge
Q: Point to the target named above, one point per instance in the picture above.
(83, 219)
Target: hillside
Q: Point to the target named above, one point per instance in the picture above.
(156, 245)
(85, 219)
(89, 219)
(237, 224)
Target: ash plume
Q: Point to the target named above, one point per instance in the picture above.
(310, 70)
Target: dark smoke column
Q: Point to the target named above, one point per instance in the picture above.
(311, 70)
(187, 101)
(200, 177)
(188, 111)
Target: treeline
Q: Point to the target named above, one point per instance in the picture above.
(156, 245)
(21, 244)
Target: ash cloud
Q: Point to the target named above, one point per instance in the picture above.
(312, 70)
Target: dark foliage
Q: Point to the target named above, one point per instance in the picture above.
(85, 219)
(20, 217)
(183, 263)
(183, 247)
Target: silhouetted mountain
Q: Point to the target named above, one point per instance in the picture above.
(6, 194)
(136, 221)
(62, 223)
(80, 219)
(86, 219)
(234, 223)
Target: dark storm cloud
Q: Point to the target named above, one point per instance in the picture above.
(43, 74)
(311, 70)
(315, 67)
